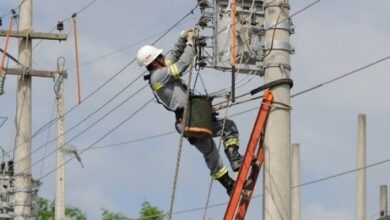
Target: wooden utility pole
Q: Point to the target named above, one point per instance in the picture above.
(295, 181)
(23, 178)
(360, 165)
(277, 172)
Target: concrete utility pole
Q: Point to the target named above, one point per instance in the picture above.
(277, 172)
(23, 203)
(295, 181)
(383, 214)
(361, 174)
(60, 186)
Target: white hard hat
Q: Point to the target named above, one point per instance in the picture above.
(147, 54)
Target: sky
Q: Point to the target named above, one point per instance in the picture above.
(331, 38)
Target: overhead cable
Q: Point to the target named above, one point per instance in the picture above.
(261, 195)
(100, 139)
(48, 124)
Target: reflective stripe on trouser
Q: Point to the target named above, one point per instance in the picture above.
(230, 134)
(219, 173)
(231, 141)
(210, 153)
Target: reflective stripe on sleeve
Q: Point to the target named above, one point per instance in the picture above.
(156, 86)
(173, 69)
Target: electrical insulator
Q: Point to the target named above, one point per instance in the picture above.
(2, 167)
(202, 62)
(202, 41)
(11, 167)
(203, 4)
(60, 26)
(203, 20)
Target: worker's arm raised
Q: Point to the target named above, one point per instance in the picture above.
(180, 45)
(177, 50)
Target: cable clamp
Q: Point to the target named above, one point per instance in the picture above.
(28, 216)
(276, 65)
(277, 4)
(24, 190)
(277, 45)
(29, 175)
(286, 25)
(273, 84)
(58, 76)
(22, 203)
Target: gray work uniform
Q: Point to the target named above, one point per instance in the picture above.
(171, 92)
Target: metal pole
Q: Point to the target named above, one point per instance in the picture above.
(60, 173)
(361, 174)
(295, 181)
(383, 202)
(22, 203)
(277, 172)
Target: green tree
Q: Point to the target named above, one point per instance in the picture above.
(46, 209)
(107, 215)
(149, 212)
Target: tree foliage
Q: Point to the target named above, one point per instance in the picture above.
(107, 215)
(46, 210)
(149, 212)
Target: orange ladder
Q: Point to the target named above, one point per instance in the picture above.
(251, 165)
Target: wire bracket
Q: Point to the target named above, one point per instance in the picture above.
(276, 65)
(286, 25)
(278, 45)
(278, 4)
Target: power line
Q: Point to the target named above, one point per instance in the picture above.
(342, 76)
(273, 26)
(84, 130)
(298, 186)
(11, 57)
(3, 120)
(14, 9)
(313, 87)
(68, 18)
(94, 112)
(341, 174)
(48, 124)
(144, 39)
(133, 141)
(127, 65)
(100, 139)
(252, 109)
(86, 6)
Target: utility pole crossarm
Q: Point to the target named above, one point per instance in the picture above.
(34, 35)
(40, 73)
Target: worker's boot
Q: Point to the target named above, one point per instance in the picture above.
(234, 157)
(227, 182)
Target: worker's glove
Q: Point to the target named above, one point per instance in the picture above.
(184, 34)
(191, 39)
